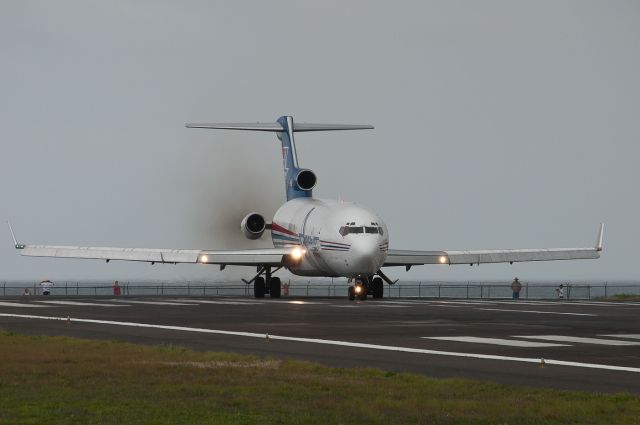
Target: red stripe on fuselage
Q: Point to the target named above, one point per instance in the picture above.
(278, 228)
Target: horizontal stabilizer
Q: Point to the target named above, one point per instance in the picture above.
(276, 127)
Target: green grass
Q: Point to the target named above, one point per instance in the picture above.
(622, 297)
(59, 380)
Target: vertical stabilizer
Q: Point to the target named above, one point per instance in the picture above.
(299, 182)
(290, 161)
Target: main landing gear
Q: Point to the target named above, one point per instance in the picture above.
(265, 285)
(366, 286)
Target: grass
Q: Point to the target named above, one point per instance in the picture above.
(60, 380)
(622, 297)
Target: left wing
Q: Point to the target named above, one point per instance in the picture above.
(413, 258)
(245, 257)
(248, 257)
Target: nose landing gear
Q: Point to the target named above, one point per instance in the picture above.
(366, 286)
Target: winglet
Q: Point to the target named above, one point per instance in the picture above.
(15, 241)
(599, 241)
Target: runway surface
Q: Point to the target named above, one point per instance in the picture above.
(593, 346)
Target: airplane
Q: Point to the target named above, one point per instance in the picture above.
(312, 237)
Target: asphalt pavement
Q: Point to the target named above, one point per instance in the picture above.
(579, 345)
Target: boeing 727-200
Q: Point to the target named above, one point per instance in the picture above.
(312, 237)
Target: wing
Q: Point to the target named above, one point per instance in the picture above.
(248, 257)
(413, 258)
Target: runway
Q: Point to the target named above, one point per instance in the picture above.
(593, 346)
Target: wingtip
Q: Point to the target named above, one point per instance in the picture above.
(599, 240)
(13, 236)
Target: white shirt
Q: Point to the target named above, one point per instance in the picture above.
(46, 285)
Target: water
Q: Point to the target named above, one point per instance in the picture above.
(478, 290)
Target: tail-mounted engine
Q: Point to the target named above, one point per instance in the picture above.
(306, 179)
(253, 225)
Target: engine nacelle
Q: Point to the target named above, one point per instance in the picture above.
(306, 179)
(253, 225)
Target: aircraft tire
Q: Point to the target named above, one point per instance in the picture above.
(352, 293)
(377, 288)
(274, 287)
(258, 287)
(363, 293)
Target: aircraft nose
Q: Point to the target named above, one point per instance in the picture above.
(365, 255)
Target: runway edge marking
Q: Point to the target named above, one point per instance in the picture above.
(331, 342)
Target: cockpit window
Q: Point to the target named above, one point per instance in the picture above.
(345, 230)
(349, 228)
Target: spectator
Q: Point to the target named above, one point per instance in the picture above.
(46, 287)
(116, 289)
(26, 292)
(516, 287)
(560, 291)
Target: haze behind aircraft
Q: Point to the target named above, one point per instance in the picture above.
(312, 237)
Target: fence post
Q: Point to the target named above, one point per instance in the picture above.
(526, 290)
(605, 289)
(420, 289)
(481, 291)
(77, 289)
(467, 290)
(439, 286)
(589, 288)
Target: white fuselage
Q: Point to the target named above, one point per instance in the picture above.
(339, 238)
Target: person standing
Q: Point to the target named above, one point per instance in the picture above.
(116, 289)
(516, 287)
(46, 287)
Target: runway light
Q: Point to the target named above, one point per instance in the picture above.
(204, 258)
(297, 253)
(442, 259)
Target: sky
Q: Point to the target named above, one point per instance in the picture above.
(498, 124)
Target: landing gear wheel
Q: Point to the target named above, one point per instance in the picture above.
(258, 287)
(362, 294)
(274, 287)
(377, 288)
(352, 293)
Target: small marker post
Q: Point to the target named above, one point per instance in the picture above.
(542, 363)
(68, 320)
(266, 338)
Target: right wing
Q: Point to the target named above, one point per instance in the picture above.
(414, 258)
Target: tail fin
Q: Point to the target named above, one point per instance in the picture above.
(299, 182)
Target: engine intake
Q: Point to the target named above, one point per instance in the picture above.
(306, 180)
(253, 225)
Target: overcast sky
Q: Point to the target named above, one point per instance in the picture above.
(499, 124)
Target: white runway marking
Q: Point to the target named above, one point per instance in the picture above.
(218, 302)
(495, 341)
(335, 343)
(149, 302)
(83, 303)
(8, 304)
(633, 336)
(366, 305)
(536, 311)
(581, 340)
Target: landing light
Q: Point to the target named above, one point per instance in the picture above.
(358, 289)
(442, 259)
(297, 253)
(204, 258)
